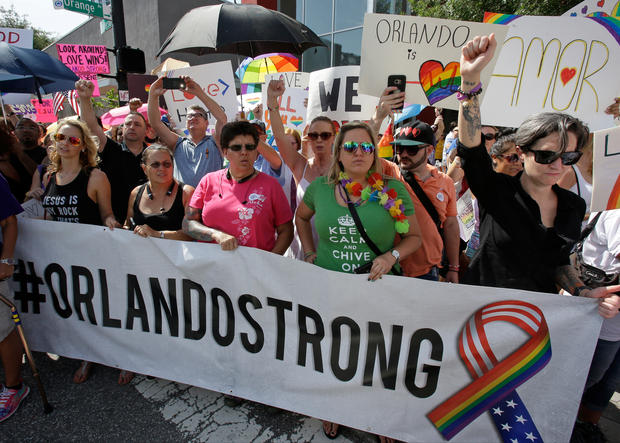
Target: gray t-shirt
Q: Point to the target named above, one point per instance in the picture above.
(192, 162)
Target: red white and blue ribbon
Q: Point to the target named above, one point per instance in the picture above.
(495, 382)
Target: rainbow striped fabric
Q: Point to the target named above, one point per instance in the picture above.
(495, 381)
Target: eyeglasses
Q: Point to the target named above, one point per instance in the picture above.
(410, 150)
(512, 158)
(490, 136)
(237, 148)
(351, 147)
(74, 141)
(194, 115)
(548, 157)
(157, 165)
(324, 135)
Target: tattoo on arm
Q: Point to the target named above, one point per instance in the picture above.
(471, 113)
(567, 277)
(193, 227)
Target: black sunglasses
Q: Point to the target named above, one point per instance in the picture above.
(490, 136)
(548, 157)
(157, 165)
(410, 150)
(512, 158)
(324, 135)
(237, 148)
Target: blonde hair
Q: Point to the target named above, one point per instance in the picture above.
(89, 157)
(335, 167)
(295, 134)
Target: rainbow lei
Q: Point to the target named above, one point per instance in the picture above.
(375, 191)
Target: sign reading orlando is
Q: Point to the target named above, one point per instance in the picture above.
(410, 359)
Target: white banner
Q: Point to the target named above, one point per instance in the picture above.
(333, 92)
(554, 64)
(18, 37)
(216, 79)
(379, 356)
(292, 103)
(606, 164)
(426, 50)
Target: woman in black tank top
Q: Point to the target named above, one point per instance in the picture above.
(76, 192)
(157, 208)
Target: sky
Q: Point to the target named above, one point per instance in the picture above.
(42, 15)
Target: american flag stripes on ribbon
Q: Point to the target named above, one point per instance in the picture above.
(59, 98)
(74, 99)
(495, 382)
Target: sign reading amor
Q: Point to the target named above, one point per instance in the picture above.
(426, 50)
(556, 64)
(387, 357)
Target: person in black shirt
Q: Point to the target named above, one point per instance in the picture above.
(528, 224)
(122, 162)
(28, 134)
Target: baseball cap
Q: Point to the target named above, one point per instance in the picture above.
(414, 133)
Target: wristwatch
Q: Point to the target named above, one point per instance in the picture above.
(579, 289)
(395, 254)
(9, 261)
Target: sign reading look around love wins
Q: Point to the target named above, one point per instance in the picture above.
(86, 61)
(554, 64)
(426, 50)
(386, 357)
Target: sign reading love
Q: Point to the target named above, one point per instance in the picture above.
(438, 82)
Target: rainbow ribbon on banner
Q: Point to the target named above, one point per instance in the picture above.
(495, 382)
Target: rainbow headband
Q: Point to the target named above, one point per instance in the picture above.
(495, 382)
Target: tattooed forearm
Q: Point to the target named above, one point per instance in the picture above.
(193, 227)
(567, 278)
(469, 124)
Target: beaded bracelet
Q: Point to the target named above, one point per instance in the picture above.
(453, 267)
(462, 95)
(308, 254)
(275, 108)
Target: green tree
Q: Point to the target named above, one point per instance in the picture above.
(473, 10)
(10, 18)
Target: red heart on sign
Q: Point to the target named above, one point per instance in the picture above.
(567, 74)
(600, 3)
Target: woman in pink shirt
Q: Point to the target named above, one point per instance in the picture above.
(240, 206)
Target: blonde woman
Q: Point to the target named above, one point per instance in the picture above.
(76, 192)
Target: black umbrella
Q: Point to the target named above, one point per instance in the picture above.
(248, 30)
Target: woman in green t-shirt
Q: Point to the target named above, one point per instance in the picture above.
(384, 207)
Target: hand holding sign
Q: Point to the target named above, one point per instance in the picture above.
(475, 56)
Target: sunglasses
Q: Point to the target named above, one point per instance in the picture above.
(410, 150)
(237, 148)
(489, 136)
(157, 165)
(323, 135)
(75, 141)
(548, 157)
(351, 147)
(512, 158)
(194, 115)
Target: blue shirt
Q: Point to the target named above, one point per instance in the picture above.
(8, 203)
(192, 162)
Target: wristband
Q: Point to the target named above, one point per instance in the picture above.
(462, 95)
(308, 254)
(161, 234)
(454, 267)
(275, 108)
(577, 291)
(9, 261)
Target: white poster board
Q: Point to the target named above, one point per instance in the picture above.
(21, 38)
(589, 7)
(216, 79)
(554, 64)
(334, 93)
(426, 50)
(606, 176)
(466, 215)
(379, 356)
(292, 103)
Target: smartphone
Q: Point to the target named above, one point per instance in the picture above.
(173, 83)
(400, 81)
(363, 269)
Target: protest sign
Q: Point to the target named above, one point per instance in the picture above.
(86, 61)
(44, 110)
(588, 8)
(606, 177)
(379, 356)
(292, 103)
(426, 50)
(555, 64)
(138, 85)
(24, 110)
(333, 92)
(21, 38)
(250, 101)
(216, 79)
(465, 215)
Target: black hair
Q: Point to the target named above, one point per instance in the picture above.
(233, 129)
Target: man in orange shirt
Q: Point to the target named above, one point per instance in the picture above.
(414, 143)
